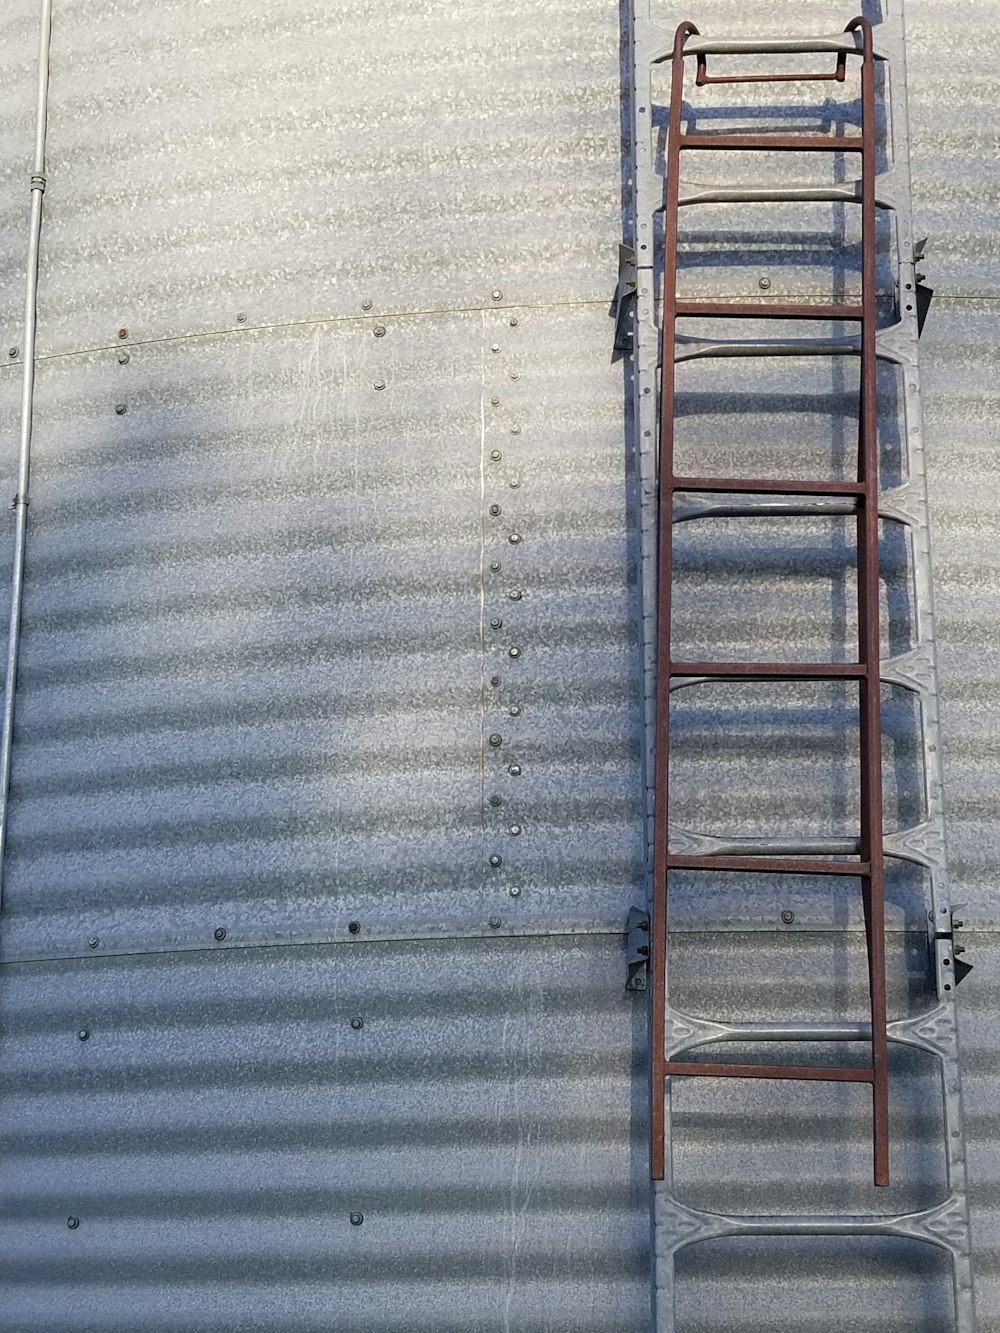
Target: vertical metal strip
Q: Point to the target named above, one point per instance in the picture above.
(37, 186)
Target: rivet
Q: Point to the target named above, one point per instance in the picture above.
(12, 352)
(515, 594)
(496, 740)
(515, 430)
(495, 347)
(93, 942)
(514, 483)
(495, 401)
(515, 710)
(496, 800)
(494, 680)
(514, 770)
(220, 933)
(494, 923)
(357, 1024)
(514, 652)
(515, 374)
(121, 409)
(495, 566)
(83, 1034)
(495, 510)
(514, 830)
(72, 1223)
(513, 321)
(514, 538)
(380, 384)
(123, 358)
(379, 330)
(764, 284)
(496, 455)
(123, 333)
(496, 623)
(496, 861)
(515, 890)
(788, 917)
(357, 1219)
(496, 294)
(241, 318)
(354, 927)
(366, 305)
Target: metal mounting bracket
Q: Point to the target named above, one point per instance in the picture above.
(637, 948)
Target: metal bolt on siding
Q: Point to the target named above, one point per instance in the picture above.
(121, 409)
(514, 830)
(495, 566)
(496, 800)
(514, 770)
(72, 1223)
(496, 455)
(93, 942)
(12, 352)
(357, 1024)
(515, 374)
(495, 401)
(764, 284)
(788, 917)
(495, 347)
(496, 740)
(354, 927)
(513, 321)
(366, 304)
(514, 538)
(515, 891)
(241, 318)
(357, 1219)
(514, 483)
(494, 923)
(495, 511)
(515, 710)
(220, 932)
(494, 680)
(123, 358)
(496, 623)
(515, 594)
(123, 333)
(514, 652)
(496, 861)
(379, 330)
(496, 294)
(515, 430)
(380, 384)
(83, 1034)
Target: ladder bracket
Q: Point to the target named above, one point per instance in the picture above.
(949, 966)
(637, 948)
(623, 304)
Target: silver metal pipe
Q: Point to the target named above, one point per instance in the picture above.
(736, 46)
(27, 400)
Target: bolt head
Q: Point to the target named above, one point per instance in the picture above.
(496, 623)
(494, 923)
(379, 384)
(241, 318)
(93, 942)
(496, 455)
(354, 927)
(496, 861)
(496, 740)
(513, 321)
(495, 347)
(514, 483)
(123, 358)
(379, 330)
(494, 680)
(366, 304)
(495, 401)
(515, 430)
(514, 538)
(357, 1024)
(83, 1034)
(515, 374)
(357, 1219)
(495, 566)
(496, 294)
(515, 710)
(788, 917)
(764, 284)
(514, 770)
(123, 333)
(12, 352)
(72, 1223)
(220, 932)
(515, 594)
(514, 652)
(121, 408)
(496, 800)
(515, 891)
(495, 510)
(514, 830)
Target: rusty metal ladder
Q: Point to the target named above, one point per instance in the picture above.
(657, 349)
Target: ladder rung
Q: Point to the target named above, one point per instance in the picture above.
(771, 670)
(687, 348)
(849, 193)
(776, 143)
(750, 486)
(772, 865)
(837, 43)
(818, 1073)
(704, 80)
(737, 310)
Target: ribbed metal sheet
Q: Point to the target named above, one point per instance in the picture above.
(290, 161)
(18, 57)
(223, 1120)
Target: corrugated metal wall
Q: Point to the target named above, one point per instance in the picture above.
(363, 261)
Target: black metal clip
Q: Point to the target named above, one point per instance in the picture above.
(924, 294)
(637, 947)
(623, 305)
(952, 968)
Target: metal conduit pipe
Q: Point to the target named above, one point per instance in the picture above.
(24, 445)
